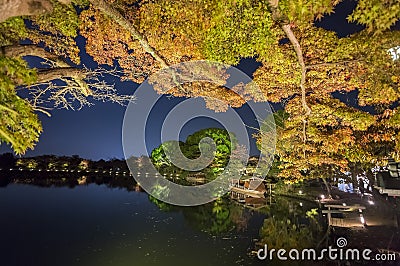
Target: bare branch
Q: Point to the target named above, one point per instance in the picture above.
(75, 92)
(42, 111)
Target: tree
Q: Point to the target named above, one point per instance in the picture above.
(302, 65)
(225, 143)
(58, 83)
(160, 159)
(320, 131)
(27, 163)
(166, 157)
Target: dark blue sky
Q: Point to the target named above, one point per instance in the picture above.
(95, 132)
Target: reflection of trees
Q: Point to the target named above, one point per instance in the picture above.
(213, 218)
(290, 225)
(218, 217)
(162, 205)
(61, 179)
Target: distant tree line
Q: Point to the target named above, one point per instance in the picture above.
(74, 162)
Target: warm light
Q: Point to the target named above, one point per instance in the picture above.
(362, 219)
(301, 204)
(300, 192)
(344, 204)
(371, 202)
(322, 196)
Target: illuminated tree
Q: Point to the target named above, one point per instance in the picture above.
(224, 144)
(161, 161)
(59, 83)
(29, 163)
(301, 65)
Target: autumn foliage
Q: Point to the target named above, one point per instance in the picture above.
(310, 70)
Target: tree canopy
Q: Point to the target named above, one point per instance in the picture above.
(164, 156)
(303, 66)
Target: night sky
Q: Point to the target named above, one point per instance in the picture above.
(95, 132)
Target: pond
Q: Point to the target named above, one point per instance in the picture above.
(99, 224)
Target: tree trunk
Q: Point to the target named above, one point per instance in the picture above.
(328, 188)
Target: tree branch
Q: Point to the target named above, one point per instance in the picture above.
(7, 137)
(75, 89)
(297, 48)
(278, 17)
(21, 50)
(59, 73)
(15, 8)
(42, 111)
(126, 24)
(5, 108)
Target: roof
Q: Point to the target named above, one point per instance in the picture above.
(388, 182)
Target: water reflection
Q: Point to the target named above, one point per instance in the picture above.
(60, 179)
(97, 224)
(100, 225)
(292, 225)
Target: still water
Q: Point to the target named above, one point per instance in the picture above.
(98, 225)
(59, 222)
